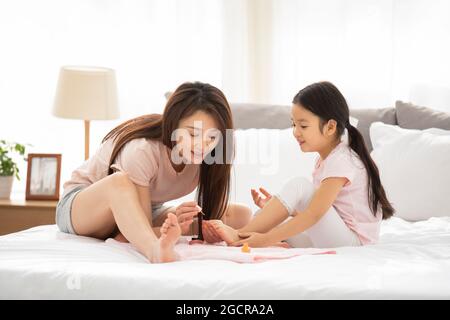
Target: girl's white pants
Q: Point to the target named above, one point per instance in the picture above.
(329, 232)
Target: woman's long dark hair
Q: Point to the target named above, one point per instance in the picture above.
(327, 102)
(214, 181)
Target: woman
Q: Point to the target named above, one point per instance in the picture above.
(149, 160)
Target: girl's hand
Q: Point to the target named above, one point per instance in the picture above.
(258, 200)
(185, 213)
(254, 240)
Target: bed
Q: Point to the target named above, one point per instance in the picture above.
(411, 260)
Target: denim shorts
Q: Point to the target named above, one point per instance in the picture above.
(64, 209)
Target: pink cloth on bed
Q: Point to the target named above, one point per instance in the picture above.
(220, 251)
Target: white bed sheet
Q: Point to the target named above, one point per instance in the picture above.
(411, 261)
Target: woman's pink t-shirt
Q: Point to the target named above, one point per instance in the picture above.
(147, 164)
(351, 203)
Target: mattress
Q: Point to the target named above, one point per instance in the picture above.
(411, 261)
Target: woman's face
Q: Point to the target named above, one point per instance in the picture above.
(197, 135)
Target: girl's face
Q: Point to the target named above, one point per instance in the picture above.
(306, 130)
(196, 136)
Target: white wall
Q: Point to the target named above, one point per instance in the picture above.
(376, 51)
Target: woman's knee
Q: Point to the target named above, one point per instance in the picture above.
(120, 181)
(237, 215)
(116, 185)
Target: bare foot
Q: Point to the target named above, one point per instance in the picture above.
(163, 250)
(227, 233)
(210, 234)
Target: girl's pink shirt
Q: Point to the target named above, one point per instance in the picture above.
(351, 203)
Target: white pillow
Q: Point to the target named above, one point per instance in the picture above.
(382, 133)
(414, 169)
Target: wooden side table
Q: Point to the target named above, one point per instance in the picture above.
(16, 215)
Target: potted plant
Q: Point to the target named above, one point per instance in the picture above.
(8, 166)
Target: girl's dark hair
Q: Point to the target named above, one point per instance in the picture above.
(214, 181)
(327, 102)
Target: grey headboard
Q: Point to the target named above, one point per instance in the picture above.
(266, 116)
(368, 116)
(407, 115)
(260, 116)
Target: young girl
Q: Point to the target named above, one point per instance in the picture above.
(128, 204)
(346, 201)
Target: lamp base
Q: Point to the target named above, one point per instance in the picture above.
(86, 139)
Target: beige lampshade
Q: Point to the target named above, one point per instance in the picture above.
(87, 93)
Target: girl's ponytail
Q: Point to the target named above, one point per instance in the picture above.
(377, 195)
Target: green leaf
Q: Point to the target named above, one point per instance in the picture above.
(8, 166)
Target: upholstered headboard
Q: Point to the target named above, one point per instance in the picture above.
(407, 115)
(259, 116)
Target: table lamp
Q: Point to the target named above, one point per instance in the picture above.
(86, 93)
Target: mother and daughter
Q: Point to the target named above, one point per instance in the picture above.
(144, 162)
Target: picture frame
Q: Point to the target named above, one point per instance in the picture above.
(43, 176)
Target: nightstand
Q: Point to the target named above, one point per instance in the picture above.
(16, 215)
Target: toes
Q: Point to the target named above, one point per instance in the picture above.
(207, 235)
(171, 218)
(214, 223)
(216, 227)
(211, 229)
(171, 221)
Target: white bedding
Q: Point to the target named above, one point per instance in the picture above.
(412, 261)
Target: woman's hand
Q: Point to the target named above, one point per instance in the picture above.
(185, 213)
(258, 200)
